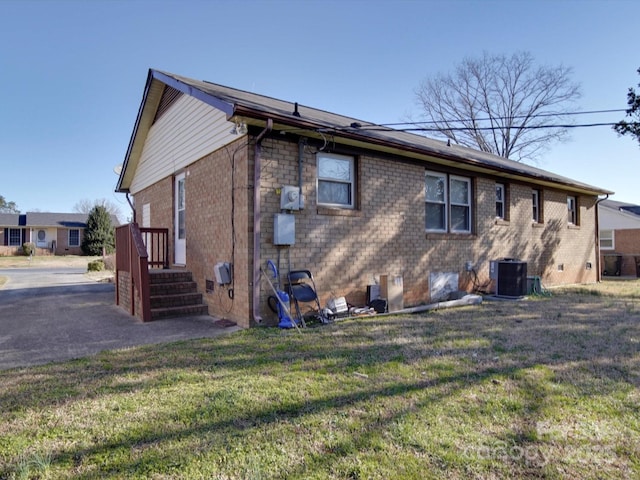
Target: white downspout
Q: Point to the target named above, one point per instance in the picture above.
(257, 216)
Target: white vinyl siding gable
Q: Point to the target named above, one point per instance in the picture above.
(188, 130)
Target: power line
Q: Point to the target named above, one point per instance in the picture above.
(587, 112)
(456, 129)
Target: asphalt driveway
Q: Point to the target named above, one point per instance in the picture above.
(56, 314)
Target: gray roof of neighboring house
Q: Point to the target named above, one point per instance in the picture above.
(12, 220)
(301, 119)
(48, 219)
(67, 220)
(621, 206)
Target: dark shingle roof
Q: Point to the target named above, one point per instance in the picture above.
(48, 219)
(621, 206)
(66, 220)
(300, 118)
(12, 220)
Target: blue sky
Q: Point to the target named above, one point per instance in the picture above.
(72, 73)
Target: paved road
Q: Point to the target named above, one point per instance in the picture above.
(56, 314)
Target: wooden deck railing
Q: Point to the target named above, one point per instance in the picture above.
(132, 255)
(157, 242)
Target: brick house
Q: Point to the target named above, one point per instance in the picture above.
(619, 238)
(240, 178)
(51, 233)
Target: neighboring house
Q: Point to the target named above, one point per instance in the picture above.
(619, 238)
(51, 233)
(241, 178)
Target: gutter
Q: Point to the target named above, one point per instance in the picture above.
(444, 153)
(257, 216)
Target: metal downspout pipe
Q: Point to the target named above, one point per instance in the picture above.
(133, 209)
(257, 216)
(598, 275)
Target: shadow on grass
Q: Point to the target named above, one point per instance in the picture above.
(573, 338)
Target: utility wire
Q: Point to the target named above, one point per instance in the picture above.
(589, 112)
(455, 129)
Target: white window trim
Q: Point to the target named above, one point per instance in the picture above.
(69, 237)
(502, 187)
(352, 188)
(448, 203)
(612, 238)
(535, 204)
(19, 237)
(444, 202)
(466, 180)
(573, 199)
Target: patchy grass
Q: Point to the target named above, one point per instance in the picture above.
(532, 389)
(42, 261)
(21, 261)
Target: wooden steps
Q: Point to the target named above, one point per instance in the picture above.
(175, 294)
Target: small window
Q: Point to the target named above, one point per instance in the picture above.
(447, 203)
(460, 189)
(336, 180)
(74, 237)
(572, 210)
(500, 201)
(15, 237)
(436, 202)
(607, 240)
(535, 203)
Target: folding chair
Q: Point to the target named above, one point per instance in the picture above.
(302, 289)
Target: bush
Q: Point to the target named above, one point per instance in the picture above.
(28, 249)
(110, 262)
(95, 266)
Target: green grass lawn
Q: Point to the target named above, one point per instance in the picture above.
(544, 388)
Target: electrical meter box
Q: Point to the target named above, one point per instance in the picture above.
(290, 198)
(222, 271)
(284, 229)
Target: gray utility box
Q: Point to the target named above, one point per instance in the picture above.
(510, 276)
(284, 229)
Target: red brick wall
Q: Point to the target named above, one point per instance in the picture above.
(211, 199)
(62, 243)
(627, 244)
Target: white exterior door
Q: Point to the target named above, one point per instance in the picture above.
(180, 240)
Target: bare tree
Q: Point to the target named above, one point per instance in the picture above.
(86, 206)
(504, 105)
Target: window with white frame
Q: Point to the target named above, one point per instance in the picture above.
(535, 204)
(336, 180)
(15, 237)
(447, 203)
(572, 210)
(607, 240)
(500, 201)
(74, 237)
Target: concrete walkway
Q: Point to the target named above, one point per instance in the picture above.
(50, 315)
